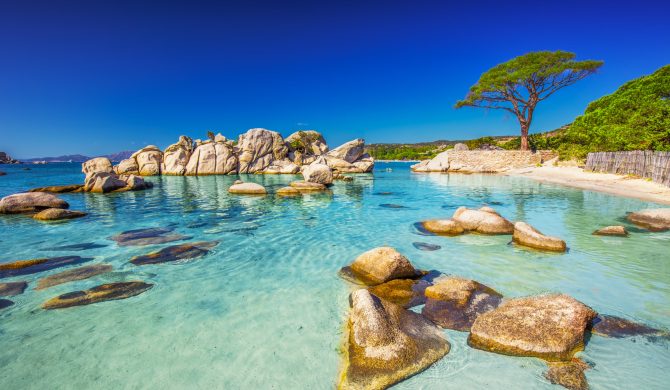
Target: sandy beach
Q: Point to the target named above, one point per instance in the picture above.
(604, 182)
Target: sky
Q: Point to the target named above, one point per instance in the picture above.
(97, 77)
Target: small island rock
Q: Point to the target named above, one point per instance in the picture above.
(656, 220)
(387, 343)
(526, 235)
(30, 202)
(247, 189)
(58, 214)
(549, 327)
(482, 221)
(445, 227)
(318, 173)
(612, 231)
(379, 265)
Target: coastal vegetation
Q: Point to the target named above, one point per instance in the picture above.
(519, 84)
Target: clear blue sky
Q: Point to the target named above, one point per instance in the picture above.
(96, 77)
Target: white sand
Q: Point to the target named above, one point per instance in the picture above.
(603, 182)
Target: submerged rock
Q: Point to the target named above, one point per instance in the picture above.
(58, 214)
(60, 189)
(568, 374)
(392, 206)
(27, 267)
(104, 292)
(5, 303)
(380, 265)
(387, 343)
(443, 227)
(550, 327)
(424, 246)
(147, 236)
(80, 273)
(482, 221)
(617, 327)
(306, 186)
(247, 189)
(176, 252)
(455, 303)
(612, 231)
(11, 289)
(30, 202)
(288, 191)
(656, 220)
(76, 247)
(526, 235)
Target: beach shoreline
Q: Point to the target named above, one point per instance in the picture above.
(618, 185)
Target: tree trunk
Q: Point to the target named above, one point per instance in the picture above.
(524, 137)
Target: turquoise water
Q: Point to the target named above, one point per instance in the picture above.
(265, 310)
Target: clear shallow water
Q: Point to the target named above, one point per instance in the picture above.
(266, 309)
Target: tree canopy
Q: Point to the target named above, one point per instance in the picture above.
(520, 83)
(635, 117)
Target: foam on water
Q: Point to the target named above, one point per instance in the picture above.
(265, 309)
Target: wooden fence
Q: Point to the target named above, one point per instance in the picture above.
(643, 163)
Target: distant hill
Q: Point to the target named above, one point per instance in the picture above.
(115, 157)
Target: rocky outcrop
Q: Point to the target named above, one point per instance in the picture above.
(381, 265)
(149, 160)
(176, 252)
(306, 186)
(305, 146)
(127, 167)
(350, 151)
(318, 173)
(526, 235)
(58, 214)
(482, 221)
(81, 273)
(176, 157)
(105, 292)
(103, 183)
(97, 165)
(550, 327)
(479, 161)
(404, 292)
(455, 303)
(568, 374)
(28, 202)
(102, 178)
(7, 159)
(386, 343)
(459, 147)
(247, 189)
(213, 157)
(612, 231)
(258, 148)
(444, 227)
(282, 167)
(656, 220)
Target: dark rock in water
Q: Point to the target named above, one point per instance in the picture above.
(424, 246)
(149, 236)
(104, 292)
(176, 252)
(2, 173)
(420, 230)
(5, 303)
(27, 267)
(455, 303)
(568, 374)
(384, 193)
(80, 273)
(76, 247)
(617, 327)
(392, 206)
(12, 288)
(60, 189)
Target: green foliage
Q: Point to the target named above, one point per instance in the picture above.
(476, 143)
(303, 140)
(635, 117)
(535, 142)
(210, 135)
(403, 152)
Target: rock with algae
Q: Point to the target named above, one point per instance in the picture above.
(101, 293)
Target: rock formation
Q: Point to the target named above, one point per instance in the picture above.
(380, 265)
(480, 161)
(247, 189)
(7, 159)
(105, 292)
(611, 231)
(318, 173)
(387, 343)
(656, 220)
(482, 221)
(526, 235)
(147, 236)
(81, 273)
(176, 252)
(58, 214)
(11, 289)
(256, 151)
(32, 266)
(550, 327)
(28, 202)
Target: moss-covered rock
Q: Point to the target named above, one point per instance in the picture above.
(568, 374)
(386, 343)
(80, 273)
(550, 327)
(27, 267)
(176, 252)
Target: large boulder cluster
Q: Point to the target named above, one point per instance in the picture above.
(256, 151)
